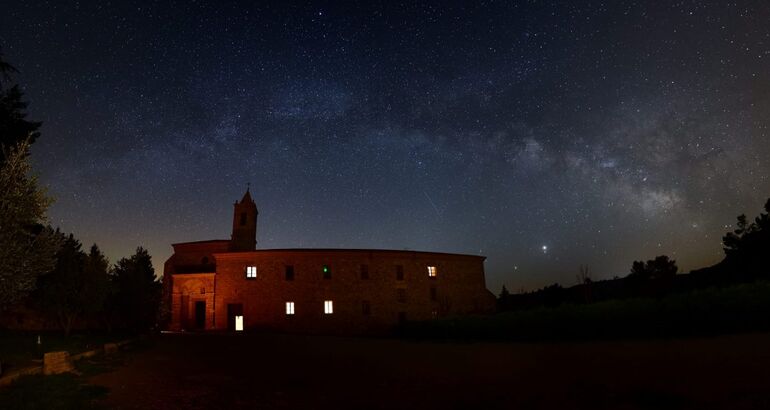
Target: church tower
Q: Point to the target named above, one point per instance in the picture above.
(244, 236)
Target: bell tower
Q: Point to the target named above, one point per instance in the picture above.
(244, 236)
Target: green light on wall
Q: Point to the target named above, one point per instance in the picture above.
(326, 269)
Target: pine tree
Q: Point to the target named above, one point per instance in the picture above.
(14, 127)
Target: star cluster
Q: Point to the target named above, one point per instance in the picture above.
(544, 135)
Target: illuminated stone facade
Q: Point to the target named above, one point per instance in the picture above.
(210, 284)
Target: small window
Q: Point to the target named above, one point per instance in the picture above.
(433, 294)
(434, 314)
(327, 272)
(401, 293)
(289, 272)
(328, 307)
(243, 218)
(251, 272)
(366, 308)
(239, 323)
(432, 272)
(205, 260)
(364, 271)
(289, 308)
(399, 272)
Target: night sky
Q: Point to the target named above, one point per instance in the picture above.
(543, 135)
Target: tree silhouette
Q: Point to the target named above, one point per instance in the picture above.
(659, 268)
(138, 291)
(76, 288)
(747, 247)
(14, 127)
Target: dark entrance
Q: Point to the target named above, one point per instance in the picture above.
(233, 310)
(200, 315)
(183, 316)
(401, 318)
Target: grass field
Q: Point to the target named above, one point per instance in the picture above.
(705, 312)
(276, 371)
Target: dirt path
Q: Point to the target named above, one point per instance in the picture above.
(287, 371)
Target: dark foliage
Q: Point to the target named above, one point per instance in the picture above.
(138, 292)
(14, 126)
(659, 268)
(747, 248)
(77, 287)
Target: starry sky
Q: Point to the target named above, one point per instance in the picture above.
(544, 135)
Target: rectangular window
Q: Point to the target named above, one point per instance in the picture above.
(433, 294)
(399, 272)
(432, 272)
(251, 272)
(289, 272)
(401, 293)
(328, 307)
(327, 272)
(289, 308)
(364, 271)
(239, 323)
(366, 308)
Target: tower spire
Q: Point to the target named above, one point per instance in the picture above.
(244, 237)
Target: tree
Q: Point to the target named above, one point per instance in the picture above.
(585, 283)
(77, 286)
(746, 248)
(659, 268)
(138, 291)
(26, 249)
(14, 127)
(97, 274)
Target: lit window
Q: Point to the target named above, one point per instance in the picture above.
(328, 307)
(289, 308)
(432, 272)
(251, 272)
(238, 323)
(327, 272)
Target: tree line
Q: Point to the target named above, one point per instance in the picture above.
(747, 259)
(46, 271)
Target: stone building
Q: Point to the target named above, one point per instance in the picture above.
(231, 285)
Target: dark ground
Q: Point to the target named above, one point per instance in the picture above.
(288, 371)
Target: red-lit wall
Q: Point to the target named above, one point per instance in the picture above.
(459, 289)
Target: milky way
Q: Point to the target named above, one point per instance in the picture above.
(544, 135)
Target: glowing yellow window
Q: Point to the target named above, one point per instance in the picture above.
(328, 307)
(432, 272)
(289, 308)
(251, 272)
